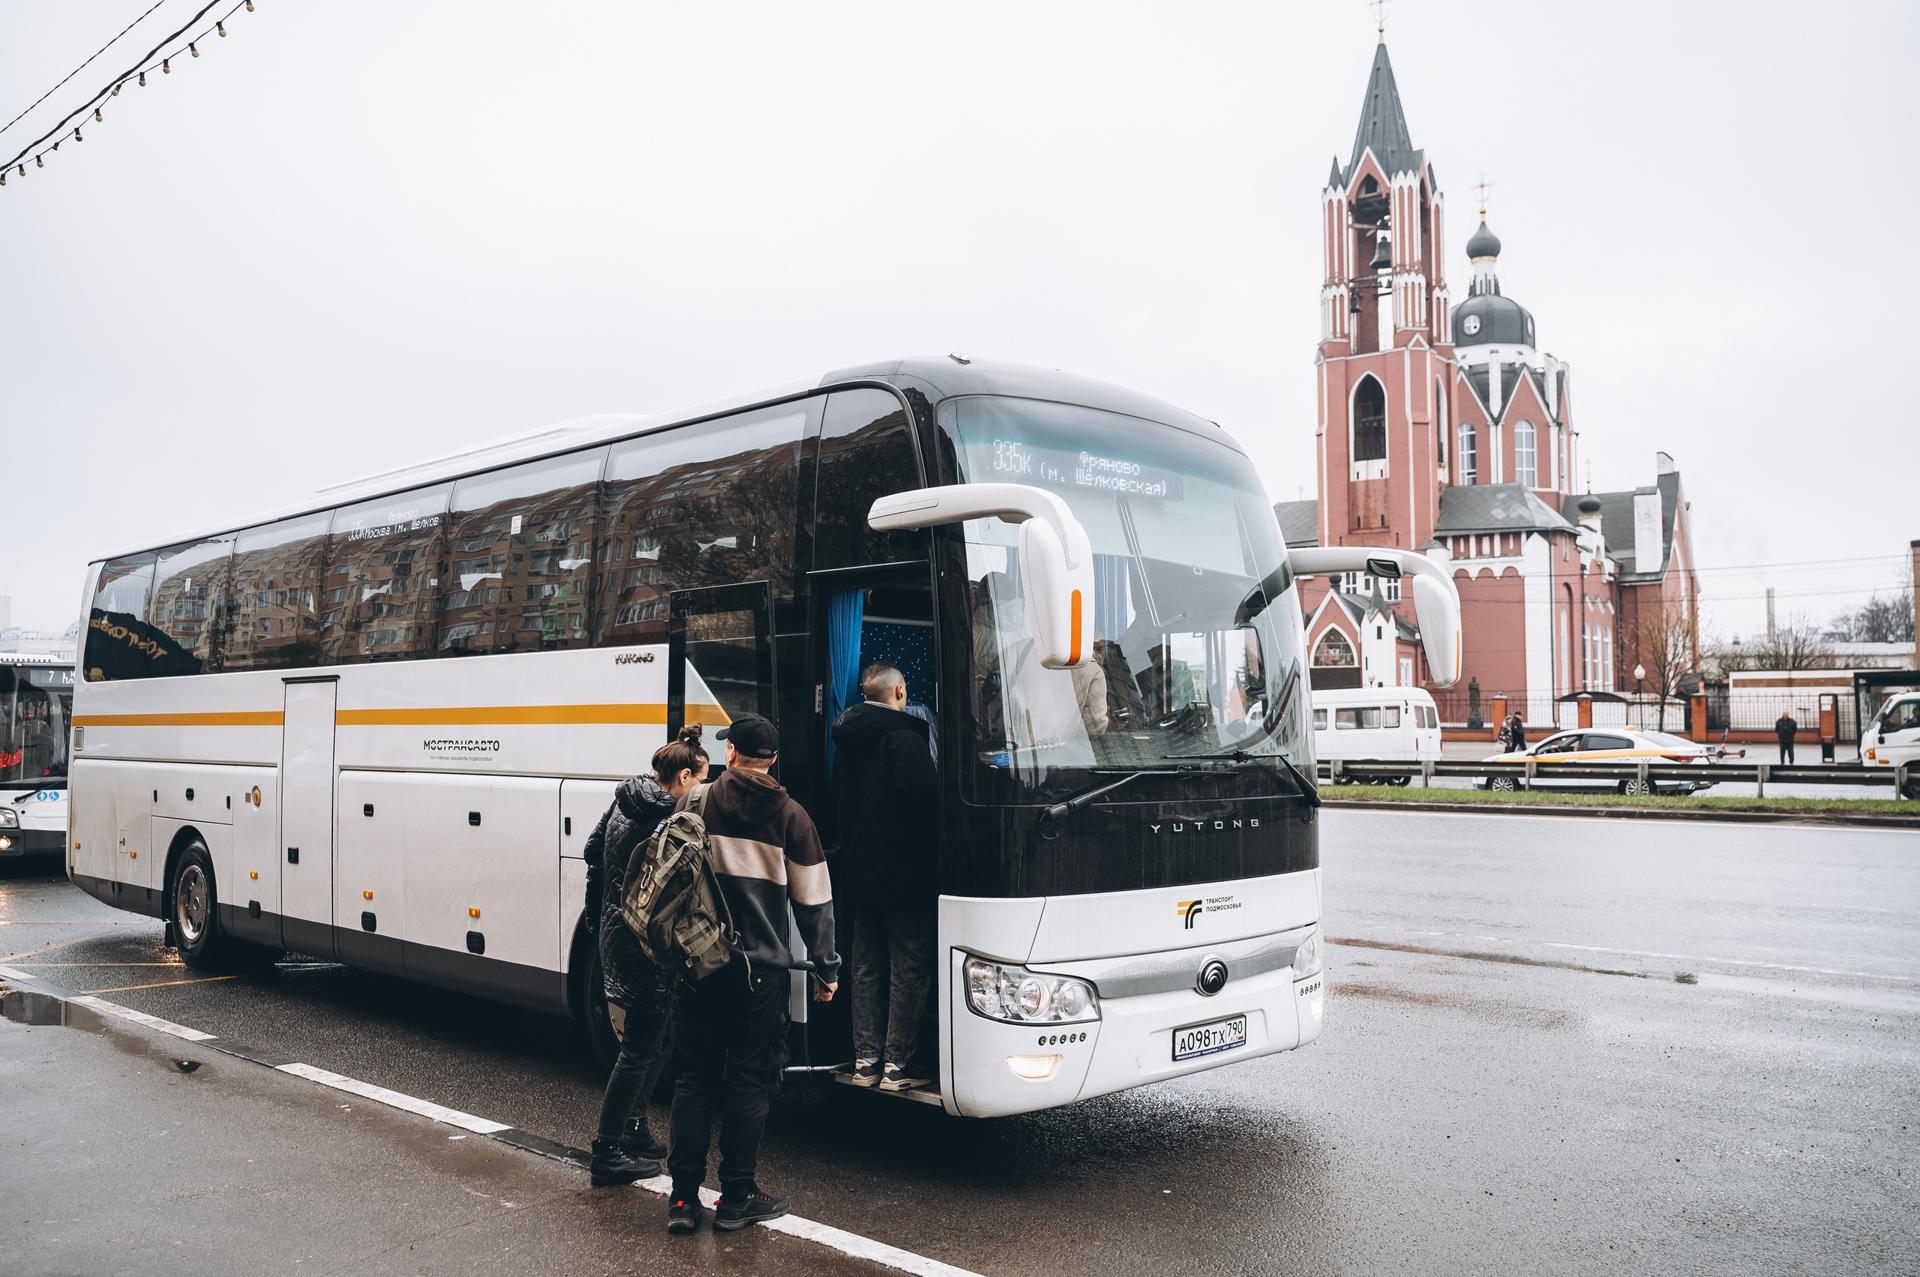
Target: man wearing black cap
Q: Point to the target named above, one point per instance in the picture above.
(767, 857)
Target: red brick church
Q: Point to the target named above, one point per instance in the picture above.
(1445, 428)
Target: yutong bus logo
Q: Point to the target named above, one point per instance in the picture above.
(1189, 911)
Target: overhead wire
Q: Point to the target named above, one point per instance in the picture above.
(159, 55)
(83, 66)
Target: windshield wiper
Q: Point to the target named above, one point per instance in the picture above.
(1244, 754)
(1053, 815)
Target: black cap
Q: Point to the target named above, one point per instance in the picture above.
(752, 735)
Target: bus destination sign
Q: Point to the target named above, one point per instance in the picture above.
(1082, 470)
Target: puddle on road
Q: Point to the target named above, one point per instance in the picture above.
(1510, 1013)
(40, 1010)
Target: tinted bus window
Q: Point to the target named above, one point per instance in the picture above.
(711, 504)
(520, 553)
(120, 642)
(274, 598)
(36, 701)
(382, 586)
(866, 451)
(189, 600)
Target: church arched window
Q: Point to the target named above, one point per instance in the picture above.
(1526, 457)
(1334, 648)
(1466, 458)
(1439, 423)
(1370, 420)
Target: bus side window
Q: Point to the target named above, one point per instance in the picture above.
(274, 602)
(520, 542)
(120, 642)
(383, 586)
(866, 451)
(696, 506)
(189, 599)
(1392, 718)
(1319, 720)
(1346, 720)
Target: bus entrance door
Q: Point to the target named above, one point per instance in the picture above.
(719, 656)
(306, 817)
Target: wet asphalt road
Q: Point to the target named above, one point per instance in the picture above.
(1554, 1045)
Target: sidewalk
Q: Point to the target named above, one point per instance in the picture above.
(126, 1150)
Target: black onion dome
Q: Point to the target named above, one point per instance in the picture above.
(1589, 504)
(1488, 318)
(1483, 244)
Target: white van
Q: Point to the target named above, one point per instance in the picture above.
(1893, 737)
(1375, 724)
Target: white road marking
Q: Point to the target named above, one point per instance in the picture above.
(851, 1244)
(11, 974)
(394, 1099)
(835, 1238)
(141, 1017)
(1786, 823)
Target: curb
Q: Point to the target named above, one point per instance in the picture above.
(1859, 820)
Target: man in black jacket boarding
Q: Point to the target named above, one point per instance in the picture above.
(886, 794)
(767, 856)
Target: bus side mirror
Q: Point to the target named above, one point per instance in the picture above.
(1056, 558)
(1436, 603)
(1437, 608)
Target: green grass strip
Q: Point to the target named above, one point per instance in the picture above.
(1663, 802)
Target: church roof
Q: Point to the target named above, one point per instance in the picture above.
(1497, 507)
(1299, 521)
(1383, 123)
(1616, 524)
(1480, 379)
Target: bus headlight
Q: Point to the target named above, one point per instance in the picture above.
(1306, 959)
(1015, 995)
(9, 818)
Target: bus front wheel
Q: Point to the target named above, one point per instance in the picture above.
(195, 912)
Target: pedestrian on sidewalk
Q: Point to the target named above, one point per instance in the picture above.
(731, 1027)
(624, 1149)
(885, 793)
(1783, 729)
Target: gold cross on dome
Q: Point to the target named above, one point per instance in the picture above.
(1481, 188)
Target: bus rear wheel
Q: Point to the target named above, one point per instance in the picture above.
(195, 908)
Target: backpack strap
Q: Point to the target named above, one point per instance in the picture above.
(697, 804)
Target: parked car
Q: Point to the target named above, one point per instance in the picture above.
(1604, 745)
(1376, 725)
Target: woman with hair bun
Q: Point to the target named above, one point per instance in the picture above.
(624, 1150)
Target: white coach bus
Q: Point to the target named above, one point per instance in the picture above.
(380, 729)
(36, 700)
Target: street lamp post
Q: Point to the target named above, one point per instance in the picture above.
(1639, 697)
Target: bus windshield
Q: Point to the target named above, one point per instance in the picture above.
(35, 704)
(1196, 627)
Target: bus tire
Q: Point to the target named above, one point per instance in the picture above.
(193, 908)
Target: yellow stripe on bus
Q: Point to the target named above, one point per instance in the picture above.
(448, 716)
(229, 718)
(526, 715)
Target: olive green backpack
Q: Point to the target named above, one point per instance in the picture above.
(672, 901)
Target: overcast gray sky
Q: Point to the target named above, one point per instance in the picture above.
(359, 233)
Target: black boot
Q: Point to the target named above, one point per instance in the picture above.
(612, 1166)
(639, 1143)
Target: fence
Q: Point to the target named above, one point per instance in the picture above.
(1904, 781)
(1458, 709)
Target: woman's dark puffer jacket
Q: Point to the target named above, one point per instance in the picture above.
(639, 805)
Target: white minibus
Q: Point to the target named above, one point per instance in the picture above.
(379, 727)
(1376, 724)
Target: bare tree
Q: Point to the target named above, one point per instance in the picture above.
(1663, 644)
(1798, 643)
(1884, 619)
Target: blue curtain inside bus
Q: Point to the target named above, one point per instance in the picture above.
(844, 613)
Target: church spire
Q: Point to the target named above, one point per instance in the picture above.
(1383, 124)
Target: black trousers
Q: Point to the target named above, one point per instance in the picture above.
(646, 1048)
(1786, 749)
(730, 1041)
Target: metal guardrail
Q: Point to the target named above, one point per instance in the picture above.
(1903, 780)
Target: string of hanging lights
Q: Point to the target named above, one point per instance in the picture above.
(161, 55)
